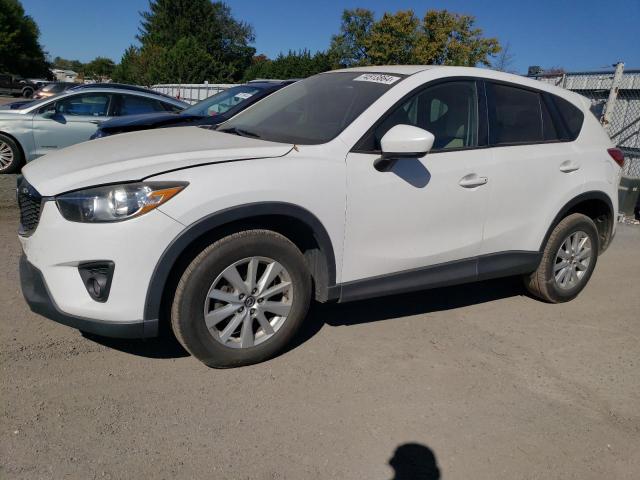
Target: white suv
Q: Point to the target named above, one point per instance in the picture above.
(347, 185)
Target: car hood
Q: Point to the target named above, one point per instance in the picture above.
(138, 155)
(146, 120)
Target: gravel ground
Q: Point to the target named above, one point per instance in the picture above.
(477, 381)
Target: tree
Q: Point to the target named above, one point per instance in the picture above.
(440, 38)
(299, 64)
(64, 64)
(349, 48)
(100, 69)
(451, 39)
(20, 50)
(220, 43)
(394, 38)
(504, 61)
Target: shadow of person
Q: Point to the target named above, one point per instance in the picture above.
(413, 461)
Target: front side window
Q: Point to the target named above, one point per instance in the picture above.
(223, 101)
(87, 104)
(448, 110)
(517, 115)
(314, 110)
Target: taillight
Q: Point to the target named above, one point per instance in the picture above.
(617, 156)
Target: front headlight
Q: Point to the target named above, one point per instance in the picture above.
(112, 203)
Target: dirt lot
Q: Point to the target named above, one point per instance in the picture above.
(483, 380)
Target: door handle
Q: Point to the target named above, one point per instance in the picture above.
(95, 122)
(472, 180)
(569, 166)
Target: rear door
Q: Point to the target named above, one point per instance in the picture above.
(69, 120)
(533, 167)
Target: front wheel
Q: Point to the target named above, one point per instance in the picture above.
(10, 155)
(242, 299)
(568, 260)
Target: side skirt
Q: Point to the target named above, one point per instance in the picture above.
(483, 267)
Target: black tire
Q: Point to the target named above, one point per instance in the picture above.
(187, 313)
(542, 282)
(17, 160)
(27, 92)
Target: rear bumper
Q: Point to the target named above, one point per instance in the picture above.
(36, 293)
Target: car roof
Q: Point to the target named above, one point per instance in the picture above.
(122, 86)
(397, 69)
(102, 89)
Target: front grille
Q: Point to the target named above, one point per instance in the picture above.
(30, 202)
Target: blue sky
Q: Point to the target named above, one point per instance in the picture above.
(576, 35)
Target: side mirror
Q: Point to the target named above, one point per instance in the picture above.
(49, 114)
(406, 141)
(403, 141)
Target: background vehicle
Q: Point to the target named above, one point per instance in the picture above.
(347, 185)
(51, 89)
(16, 86)
(212, 111)
(42, 126)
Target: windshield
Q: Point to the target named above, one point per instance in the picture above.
(314, 110)
(223, 101)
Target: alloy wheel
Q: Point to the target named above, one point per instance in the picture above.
(248, 302)
(572, 260)
(6, 155)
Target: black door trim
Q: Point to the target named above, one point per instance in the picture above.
(483, 267)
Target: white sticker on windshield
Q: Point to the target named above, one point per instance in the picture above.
(376, 78)
(243, 95)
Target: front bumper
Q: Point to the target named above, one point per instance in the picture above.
(37, 295)
(52, 281)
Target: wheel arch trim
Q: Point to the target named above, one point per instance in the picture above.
(196, 230)
(585, 196)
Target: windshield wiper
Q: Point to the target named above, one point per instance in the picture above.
(240, 131)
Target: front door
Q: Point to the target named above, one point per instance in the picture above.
(68, 121)
(425, 211)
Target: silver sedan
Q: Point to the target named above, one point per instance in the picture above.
(42, 126)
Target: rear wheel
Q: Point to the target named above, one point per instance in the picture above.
(27, 93)
(568, 260)
(242, 299)
(10, 155)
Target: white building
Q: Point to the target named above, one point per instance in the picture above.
(65, 75)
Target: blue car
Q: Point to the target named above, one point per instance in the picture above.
(211, 111)
(36, 128)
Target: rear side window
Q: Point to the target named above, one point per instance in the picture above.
(171, 108)
(517, 115)
(133, 105)
(549, 130)
(570, 116)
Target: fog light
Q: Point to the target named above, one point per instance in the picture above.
(96, 277)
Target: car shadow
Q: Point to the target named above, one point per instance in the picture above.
(338, 315)
(164, 346)
(405, 305)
